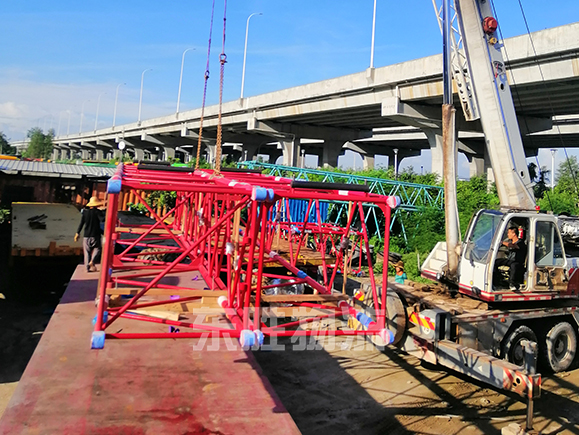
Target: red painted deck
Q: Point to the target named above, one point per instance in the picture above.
(136, 387)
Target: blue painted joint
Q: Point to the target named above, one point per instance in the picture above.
(364, 319)
(114, 185)
(393, 201)
(270, 195)
(247, 339)
(105, 318)
(258, 338)
(387, 336)
(97, 340)
(259, 194)
(302, 274)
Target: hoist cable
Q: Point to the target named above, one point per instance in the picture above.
(205, 89)
(517, 94)
(222, 61)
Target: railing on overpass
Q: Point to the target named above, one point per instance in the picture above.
(413, 196)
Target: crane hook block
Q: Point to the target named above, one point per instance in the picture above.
(490, 25)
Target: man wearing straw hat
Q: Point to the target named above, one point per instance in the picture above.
(91, 243)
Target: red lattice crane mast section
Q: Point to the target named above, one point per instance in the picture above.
(236, 231)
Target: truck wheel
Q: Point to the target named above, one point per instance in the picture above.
(396, 319)
(560, 347)
(513, 351)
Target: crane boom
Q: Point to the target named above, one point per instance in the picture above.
(502, 135)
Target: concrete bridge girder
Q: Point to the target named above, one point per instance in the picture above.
(428, 119)
(275, 129)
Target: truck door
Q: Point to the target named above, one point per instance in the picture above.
(549, 258)
(477, 251)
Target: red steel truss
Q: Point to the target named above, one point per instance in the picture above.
(228, 228)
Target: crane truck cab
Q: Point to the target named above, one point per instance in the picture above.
(543, 271)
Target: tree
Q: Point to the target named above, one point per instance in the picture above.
(5, 147)
(40, 145)
(539, 177)
(568, 176)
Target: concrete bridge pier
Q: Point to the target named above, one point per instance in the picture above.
(291, 150)
(168, 153)
(331, 151)
(273, 154)
(435, 141)
(55, 153)
(368, 161)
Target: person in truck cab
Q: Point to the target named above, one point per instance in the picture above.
(515, 259)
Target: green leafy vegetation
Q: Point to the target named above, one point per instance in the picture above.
(40, 145)
(5, 147)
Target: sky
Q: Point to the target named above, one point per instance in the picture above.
(57, 57)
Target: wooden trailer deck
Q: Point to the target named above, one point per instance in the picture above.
(139, 387)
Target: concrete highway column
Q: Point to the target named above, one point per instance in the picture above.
(84, 154)
(273, 154)
(331, 152)
(139, 153)
(290, 149)
(488, 168)
(169, 153)
(99, 154)
(116, 153)
(55, 154)
(368, 161)
(435, 141)
(249, 152)
(211, 150)
(476, 165)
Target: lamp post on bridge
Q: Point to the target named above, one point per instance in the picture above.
(245, 52)
(141, 94)
(68, 127)
(553, 151)
(181, 79)
(96, 120)
(59, 120)
(82, 116)
(373, 36)
(116, 100)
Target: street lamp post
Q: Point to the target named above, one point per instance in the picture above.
(395, 163)
(96, 120)
(373, 35)
(82, 116)
(141, 95)
(181, 78)
(122, 146)
(553, 151)
(245, 51)
(68, 127)
(59, 119)
(116, 100)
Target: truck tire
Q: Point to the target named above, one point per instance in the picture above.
(513, 351)
(396, 319)
(560, 347)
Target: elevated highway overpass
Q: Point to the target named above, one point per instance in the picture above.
(375, 112)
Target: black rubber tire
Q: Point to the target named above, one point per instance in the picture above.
(513, 352)
(560, 347)
(397, 318)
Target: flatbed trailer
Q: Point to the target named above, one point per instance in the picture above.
(137, 387)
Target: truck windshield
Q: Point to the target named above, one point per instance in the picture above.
(481, 236)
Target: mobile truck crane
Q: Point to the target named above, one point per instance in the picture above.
(498, 336)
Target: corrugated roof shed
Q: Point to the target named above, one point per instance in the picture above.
(47, 169)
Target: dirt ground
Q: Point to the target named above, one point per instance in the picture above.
(361, 390)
